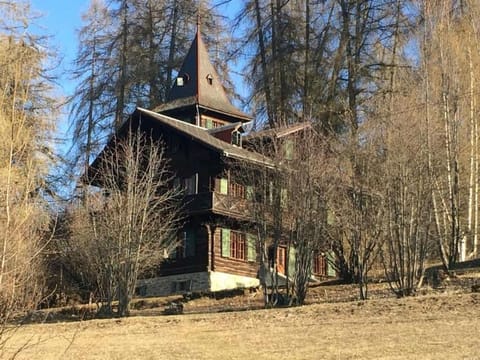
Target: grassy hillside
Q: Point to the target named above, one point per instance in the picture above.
(438, 325)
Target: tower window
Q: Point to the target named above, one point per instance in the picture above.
(210, 79)
(182, 80)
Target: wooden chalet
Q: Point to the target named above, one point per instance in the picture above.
(202, 132)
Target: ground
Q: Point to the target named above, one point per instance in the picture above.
(435, 325)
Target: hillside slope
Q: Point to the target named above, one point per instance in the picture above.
(439, 326)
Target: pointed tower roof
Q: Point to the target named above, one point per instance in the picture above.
(198, 83)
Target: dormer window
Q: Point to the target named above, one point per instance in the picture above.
(210, 79)
(236, 138)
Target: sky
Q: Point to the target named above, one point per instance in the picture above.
(60, 20)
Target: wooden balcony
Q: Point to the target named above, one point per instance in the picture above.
(217, 203)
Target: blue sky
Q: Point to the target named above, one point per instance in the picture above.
(60, 20)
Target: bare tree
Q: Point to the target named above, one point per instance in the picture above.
(449, 80)
(409, 225)
(357, 210)
(91, 109)
(309, 189)
(288, 208)
(135, 220)
(264, 205)
(26, 113)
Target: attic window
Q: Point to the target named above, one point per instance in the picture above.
(182, 80)
(210, 79)
(236, 138)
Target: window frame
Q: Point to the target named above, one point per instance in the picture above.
(238, 245)
(186, 244)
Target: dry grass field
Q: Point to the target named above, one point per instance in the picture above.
(433, 326)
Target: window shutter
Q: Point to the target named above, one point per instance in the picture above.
(330, 217)
(249, 192)
(283, 198)
(291, 261)
(288, 149)
(251, 247)
(330, 261)
(209, 124)
(225, 242)
(224, 186)
(189, 243)
(270, 192)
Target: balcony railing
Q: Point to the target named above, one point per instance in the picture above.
(216, 203)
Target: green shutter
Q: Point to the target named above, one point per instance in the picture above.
(249, 193)
(226, 242)
(224, 186)
(288, 149)
(330, 261)
(283, 198)
(189, 243)
(291, 261)
(270, 192)
(251, 247)
(209, 124)
(330, 217)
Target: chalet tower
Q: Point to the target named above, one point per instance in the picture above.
(197, 95)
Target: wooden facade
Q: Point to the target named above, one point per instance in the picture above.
(201, 131)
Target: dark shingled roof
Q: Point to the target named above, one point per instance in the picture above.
(277, 132)
(202, 135)
(197, 90)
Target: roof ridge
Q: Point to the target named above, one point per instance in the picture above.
(172, 118)
(202, 135)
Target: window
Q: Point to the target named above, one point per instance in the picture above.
(210, 79)
(191, 185)
(319, 265)
(182, 80)
(272, 192)
(236, 190)
(238, 245)
(281, 259)
(223, 186)
(187, 243)
(236, 138)
(210, 123)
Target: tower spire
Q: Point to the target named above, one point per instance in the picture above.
(198, 83)
(199, 20)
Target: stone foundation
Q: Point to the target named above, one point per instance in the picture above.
(223, 281)
(194, 282)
